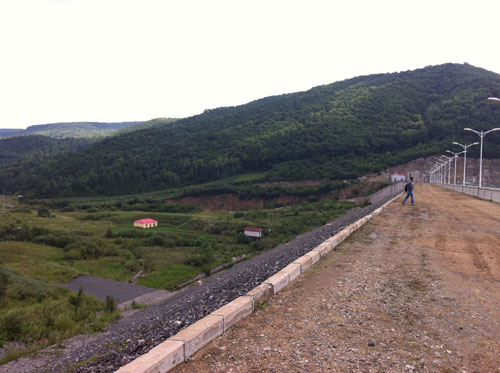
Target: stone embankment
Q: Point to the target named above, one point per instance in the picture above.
(133, 336)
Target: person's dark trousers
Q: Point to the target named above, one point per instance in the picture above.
(409, 194)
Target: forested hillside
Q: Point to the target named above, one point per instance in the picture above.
(337, 131)
(66, 130)
(34, 147)
(158, 122)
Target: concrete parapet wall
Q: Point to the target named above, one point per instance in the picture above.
(314, 255)
(278, 281)
(184, 344)
(162, 358)
(294, 270)
(261, 293)
(305, 262)
(199, 334)
(235, 311)
(488, 194)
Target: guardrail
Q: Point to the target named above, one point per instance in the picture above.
(386, 192)
(488, 194)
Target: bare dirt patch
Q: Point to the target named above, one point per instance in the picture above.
(356, 193)
(231, 202)
(417, 289)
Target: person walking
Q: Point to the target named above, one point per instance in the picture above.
(409, 192)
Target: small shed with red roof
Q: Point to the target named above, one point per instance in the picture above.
(253, 232)
(398, 177)
(146, 223)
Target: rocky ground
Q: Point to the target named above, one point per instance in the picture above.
(136, 334)
(417, 289)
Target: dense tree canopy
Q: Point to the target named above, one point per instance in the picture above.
(36, 147)
(66, 130)
(336, 131)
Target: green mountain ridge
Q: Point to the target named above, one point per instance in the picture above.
(36, 146)
(65, 130)
(337, 131)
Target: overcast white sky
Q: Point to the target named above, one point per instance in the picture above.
(117, 60)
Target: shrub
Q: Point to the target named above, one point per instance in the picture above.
(11, 325)
(72, 254)
(155, 240)
(4, 281)
(109, 305)
(76, 300)
(202, 256)
(44, 212)
(109, 233)
(168, 242)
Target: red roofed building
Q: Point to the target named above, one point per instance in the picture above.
(398, 177)
(253, 232)
(145, 223)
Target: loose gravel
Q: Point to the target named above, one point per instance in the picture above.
(135, 335)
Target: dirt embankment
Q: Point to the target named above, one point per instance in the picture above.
(232, 202)
(417, 289)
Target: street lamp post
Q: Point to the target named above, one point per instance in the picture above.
(432, 174)
(465, 147)
(455, 155)
(441, 173)
(448, 162)
(436, 173)
(444, 172)
(481, 134)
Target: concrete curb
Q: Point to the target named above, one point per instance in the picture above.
(181, 346)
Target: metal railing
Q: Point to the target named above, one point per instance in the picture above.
(489, 194)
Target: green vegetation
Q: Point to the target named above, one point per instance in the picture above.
(56, 240)
(34, 147)
(38, 313)
(73, 130)
(337, 131)
(148, 124)
(46, 242)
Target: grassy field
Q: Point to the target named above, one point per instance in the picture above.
(58, 244)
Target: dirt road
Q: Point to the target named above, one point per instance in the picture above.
(417, 289)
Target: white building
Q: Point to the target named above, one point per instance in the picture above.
(253, 232)
(145, 223)
(398, 177)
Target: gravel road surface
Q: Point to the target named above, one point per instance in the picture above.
(101, 287)
(133, 336)
(417, 289)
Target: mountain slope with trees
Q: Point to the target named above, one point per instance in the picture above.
(36, 146)
(336, 131)
(66, 130)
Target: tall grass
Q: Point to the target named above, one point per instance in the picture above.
(37, 313)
